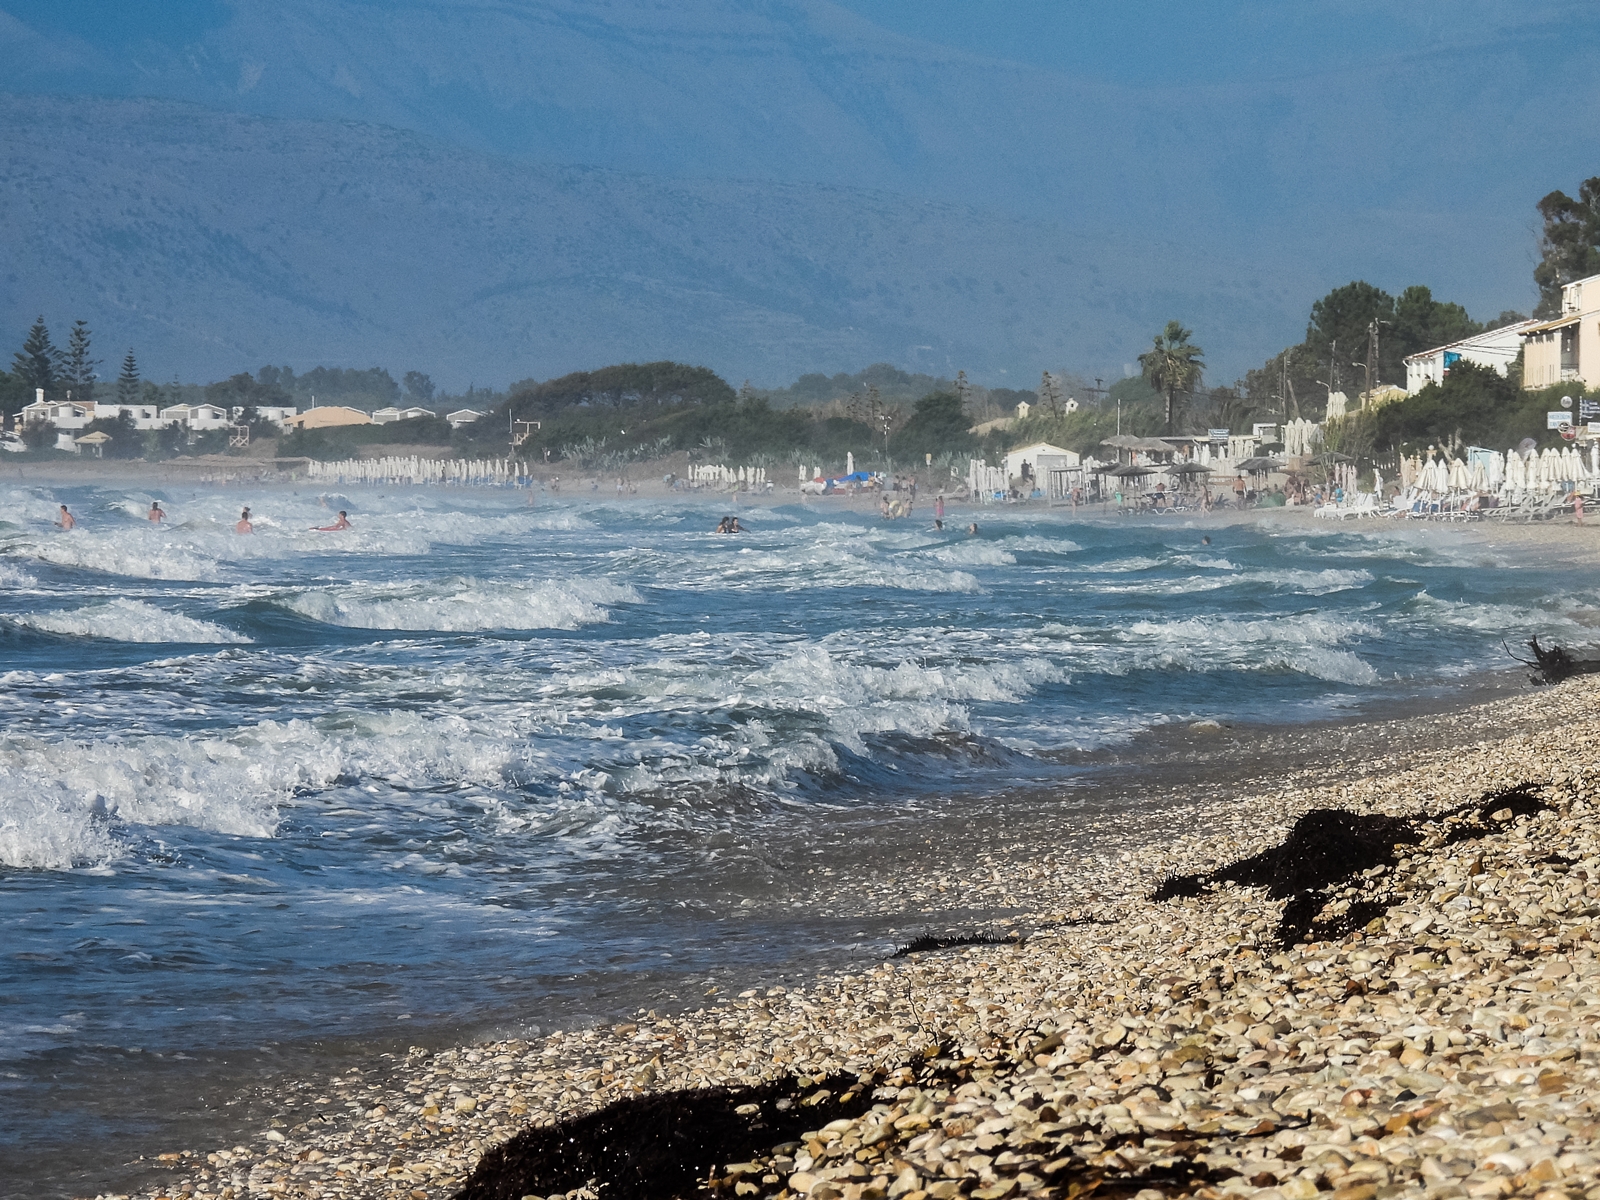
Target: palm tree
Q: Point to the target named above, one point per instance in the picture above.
(1172, 365)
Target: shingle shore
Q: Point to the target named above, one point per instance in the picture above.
(1448, 1049)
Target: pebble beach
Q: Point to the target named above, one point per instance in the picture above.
(1446, 1047)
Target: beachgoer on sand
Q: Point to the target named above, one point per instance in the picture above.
(243, 524)
(156, 515)
(65, 520)
(342, 523)
(1238, 490)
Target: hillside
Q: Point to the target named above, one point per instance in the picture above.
(216, 242)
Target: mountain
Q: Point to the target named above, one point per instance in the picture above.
(215, 242)
(1292, 149)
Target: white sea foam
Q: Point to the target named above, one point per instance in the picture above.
(1580, 617)
(124, 620)
(136, 553)
(64, 803)
(1033, 543)
(15, 577)
(1307, 643)
(463, 605)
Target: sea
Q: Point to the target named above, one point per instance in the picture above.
(500, 762)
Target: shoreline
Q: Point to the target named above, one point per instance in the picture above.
(441, 1109)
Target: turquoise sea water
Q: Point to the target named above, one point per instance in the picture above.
(479, 765)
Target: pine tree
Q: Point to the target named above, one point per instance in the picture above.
(38, 364)
(128, 381)
(80, 368)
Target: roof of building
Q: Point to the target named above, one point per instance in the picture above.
(328, 415)
(1517, 328)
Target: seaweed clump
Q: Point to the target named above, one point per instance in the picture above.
(1327, 846)
(930, 941)
(661, 1145)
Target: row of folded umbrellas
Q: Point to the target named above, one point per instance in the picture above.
(1489, 471)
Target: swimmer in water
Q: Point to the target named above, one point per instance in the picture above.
(722, 525)
(1206, 541)
(156, 515)
(342, 523)
(735, 527)
(972, 530)
(243, 524)
(65, 520)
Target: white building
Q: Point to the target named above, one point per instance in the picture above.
(63, 414)
(278, 415)
(1496, 349)
(143, 416)
(462, 416)
(1036, 461)
(197, 416)
(385, 416)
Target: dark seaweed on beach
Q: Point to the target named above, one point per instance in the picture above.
(1326, 846)
(1330, 846)
(663, 1145)
(1478, 818)
(929, 942)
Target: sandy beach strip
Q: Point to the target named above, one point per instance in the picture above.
(1447, 1047)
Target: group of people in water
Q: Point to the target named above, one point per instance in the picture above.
(729, 525)
(244, 525)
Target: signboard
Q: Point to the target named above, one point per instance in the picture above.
(1555, 420)
(1588, 410)
(1217, 435)
(1594, 426)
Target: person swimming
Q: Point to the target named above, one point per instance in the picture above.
(156, 515)
(342, 523)
(66, 520)
(735, 527)
(243, 525)
(972, 529)
(722, 526)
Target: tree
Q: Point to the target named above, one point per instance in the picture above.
(125, 442)
(419, 387)
(1570, 245)
(937, 426)
(39, 435)
(1050, 394)
(128, 380)
(1346, 315)
(79, 369)
(38, 363)
(1173, 365)
(1421, 322)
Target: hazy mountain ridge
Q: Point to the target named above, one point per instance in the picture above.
(219, 241)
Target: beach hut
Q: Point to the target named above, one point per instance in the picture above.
(96, 441)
